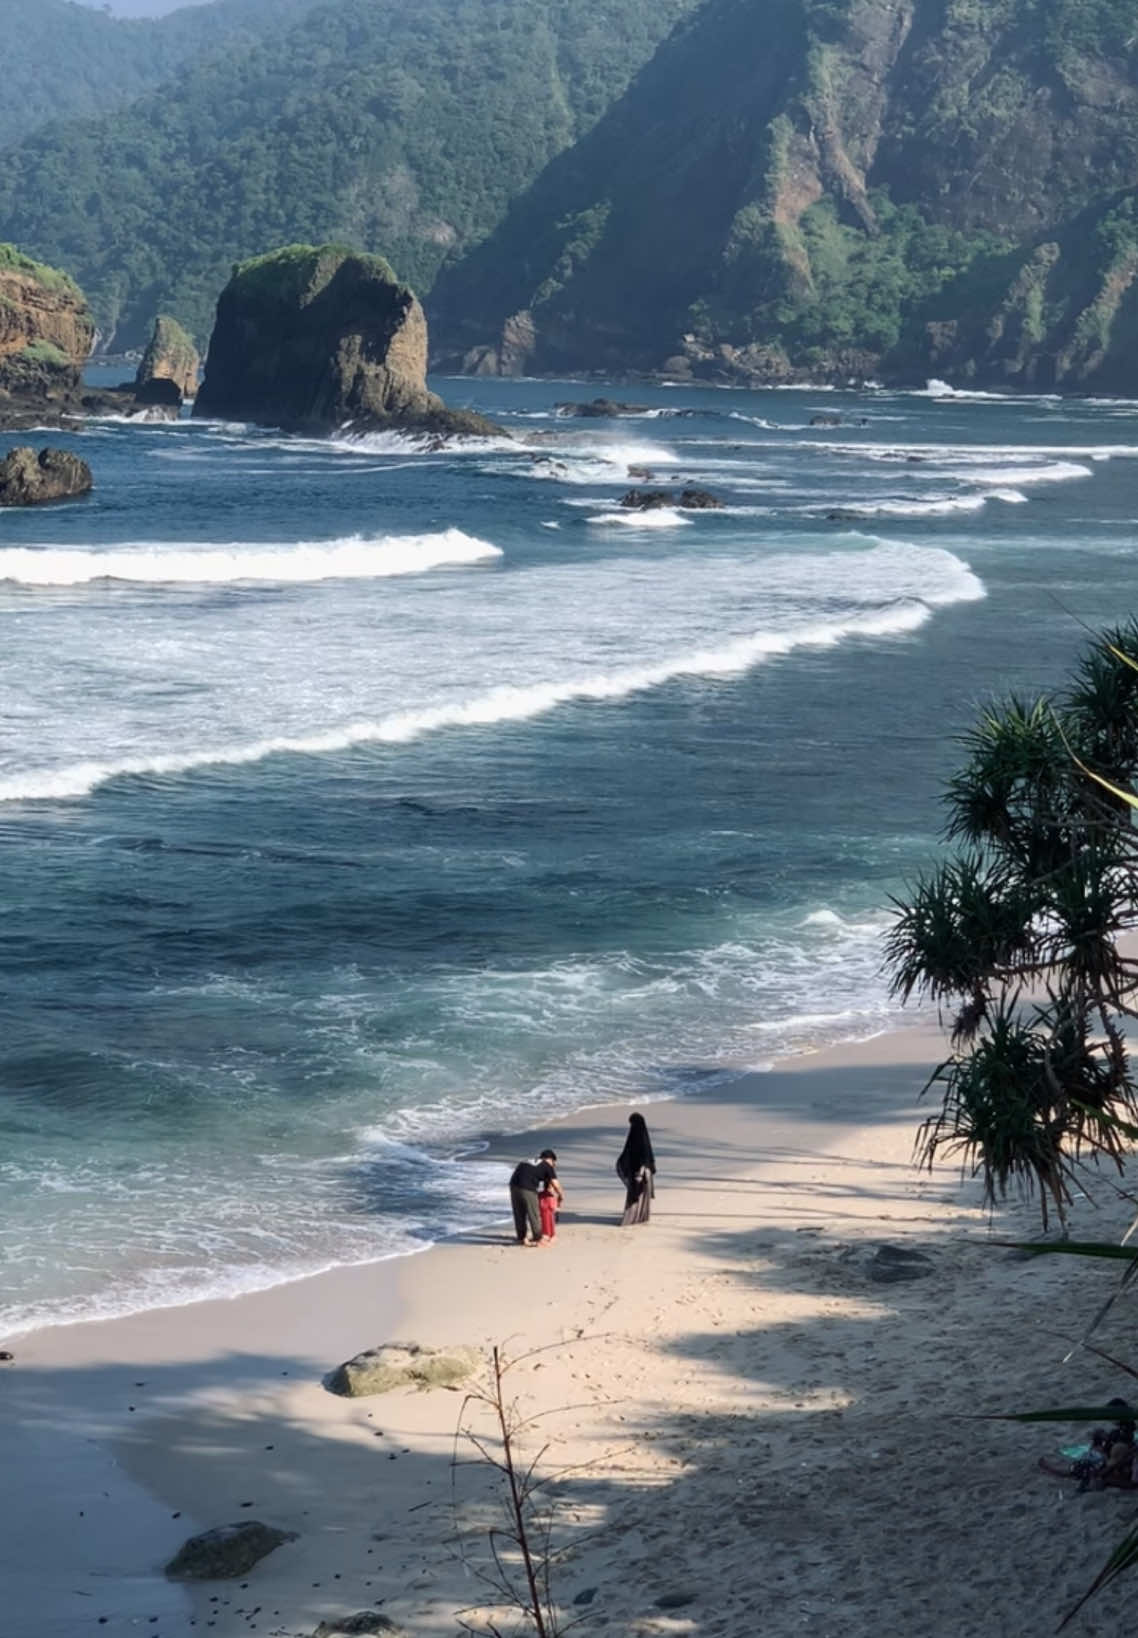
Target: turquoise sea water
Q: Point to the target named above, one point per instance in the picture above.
(357, 798)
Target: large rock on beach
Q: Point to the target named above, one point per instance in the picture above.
(229, 1550)
(401, 1365)
(28, 479)
(169, 369)
(319, 337)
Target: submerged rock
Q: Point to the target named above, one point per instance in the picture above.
(28, 479)
(319, 337)
(599, 409)
(400, 1365)
(229, 1550)
(699, 500)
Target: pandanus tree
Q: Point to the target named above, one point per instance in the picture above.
(1017, 936)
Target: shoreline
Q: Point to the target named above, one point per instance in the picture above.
(699, 1369)
(473, 1149)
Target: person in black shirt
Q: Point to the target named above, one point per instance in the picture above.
(530, 1176)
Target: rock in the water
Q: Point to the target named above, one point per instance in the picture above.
(600, 409)
(367, 1624)
(28, 479)
(319, 337)
(651, 500)
(170, 362)
(647, 500)
(228, 1551)
(890, 1264)
(403, 1364)
(699, 500)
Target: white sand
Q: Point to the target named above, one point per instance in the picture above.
(754, 1426)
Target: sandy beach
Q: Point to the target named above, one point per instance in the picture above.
(753, 1433)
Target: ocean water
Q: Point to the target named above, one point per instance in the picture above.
(359, 797)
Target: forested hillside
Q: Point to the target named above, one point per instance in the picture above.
(842, 186)
(63, 61)
(397, 127)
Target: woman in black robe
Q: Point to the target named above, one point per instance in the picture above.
(636, 1169)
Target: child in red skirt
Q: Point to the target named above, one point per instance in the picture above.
(547, 1204)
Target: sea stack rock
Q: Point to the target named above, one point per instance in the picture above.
(170, 362)
(46, 333)
(28, 479)
(316, 337)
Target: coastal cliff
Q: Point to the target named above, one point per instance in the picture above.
(319, 337)
(836, 188)
(45, 335)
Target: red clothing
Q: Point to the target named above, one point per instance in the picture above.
(548, 1207)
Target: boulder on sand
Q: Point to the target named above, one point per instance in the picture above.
(28, 479)
(229, 1550)
(401, 1365)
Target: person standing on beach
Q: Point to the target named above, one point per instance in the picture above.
(529, 1178)
(636, 1169)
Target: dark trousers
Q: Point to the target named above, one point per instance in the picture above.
(527, 1213)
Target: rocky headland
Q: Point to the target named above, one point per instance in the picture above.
(314, 338)
(45, 336)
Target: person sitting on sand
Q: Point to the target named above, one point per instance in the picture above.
(636, 1169)
(529, 1177)
(1111, 1462)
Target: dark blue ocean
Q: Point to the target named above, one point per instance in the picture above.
(357, 798)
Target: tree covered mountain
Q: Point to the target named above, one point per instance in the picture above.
(62, 60)
(396, 127)
(837, 185)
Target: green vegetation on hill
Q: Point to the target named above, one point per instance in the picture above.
(836, 185)
(396, 127)
(65, 61)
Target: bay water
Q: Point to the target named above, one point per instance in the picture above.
(360, 796)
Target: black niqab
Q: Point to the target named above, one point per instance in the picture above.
(637, 1151)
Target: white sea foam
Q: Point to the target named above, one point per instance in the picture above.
(355, 557)
(891, 573)
(658, 517)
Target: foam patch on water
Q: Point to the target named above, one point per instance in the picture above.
(895, 587)
(657, 517)
(355, 557)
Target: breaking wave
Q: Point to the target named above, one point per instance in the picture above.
(355, 557)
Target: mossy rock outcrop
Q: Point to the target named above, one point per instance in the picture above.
(229, 1550)
(46, 333)
(28, 479)
(319, 337)
(171, 358)
(402, 1365)
(367, 1624)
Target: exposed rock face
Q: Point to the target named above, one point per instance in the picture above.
(28, 479)
(600, 409)
(400, 1365)
(45, 334)
(835, 190)
(228, 1551)
(170, 357)
(311, 337)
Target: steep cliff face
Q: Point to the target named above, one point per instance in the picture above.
(45, 329)
(170, 357)
(317, 337)
(834, 186)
